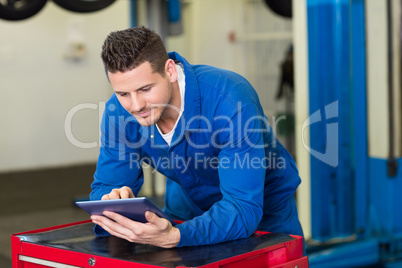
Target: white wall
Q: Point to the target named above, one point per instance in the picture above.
(377, 79)
(38, 86)
(207, 24)
(261, 39)
(302, 113)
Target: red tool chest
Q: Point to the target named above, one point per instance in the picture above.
(75, 245)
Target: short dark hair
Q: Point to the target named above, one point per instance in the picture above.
(124, 50)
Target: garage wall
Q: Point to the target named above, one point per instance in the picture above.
(39, 86)
(40, 89)
(240, 35)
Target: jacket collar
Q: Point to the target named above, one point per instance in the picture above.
(190, 119)
(192, 104)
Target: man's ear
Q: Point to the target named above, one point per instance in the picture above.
(170, 70)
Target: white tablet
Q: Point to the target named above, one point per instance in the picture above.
(132, 208)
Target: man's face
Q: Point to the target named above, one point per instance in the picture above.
(143, 93)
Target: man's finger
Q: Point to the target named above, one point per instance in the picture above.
(126, 222)
(151, 217)
(105, 197)
(113, 228)
(155, 220)
(114, 194)
(132, 230)
(126, 192)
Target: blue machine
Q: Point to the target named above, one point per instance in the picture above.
(171, 7)
(356, 211)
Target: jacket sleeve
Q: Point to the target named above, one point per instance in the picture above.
(241, 174)
(119, 162)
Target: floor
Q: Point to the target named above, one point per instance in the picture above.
(42, 198)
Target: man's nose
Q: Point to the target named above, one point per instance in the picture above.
(137, 103)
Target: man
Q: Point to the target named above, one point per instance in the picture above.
(204, 129)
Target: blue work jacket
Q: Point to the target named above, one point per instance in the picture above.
(227, 174)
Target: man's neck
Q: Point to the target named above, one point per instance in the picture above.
(171, 114)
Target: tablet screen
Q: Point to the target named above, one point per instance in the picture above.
(132, 208)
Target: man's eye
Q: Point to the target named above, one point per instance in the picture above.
(123, 94)
(146, 89)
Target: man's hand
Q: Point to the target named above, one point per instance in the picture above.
(157, 231)
(123, 192)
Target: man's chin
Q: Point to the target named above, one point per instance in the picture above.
(149, 120)
(145, 123)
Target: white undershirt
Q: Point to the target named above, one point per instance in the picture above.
(182, 85)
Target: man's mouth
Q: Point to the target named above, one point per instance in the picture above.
(144, 113)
